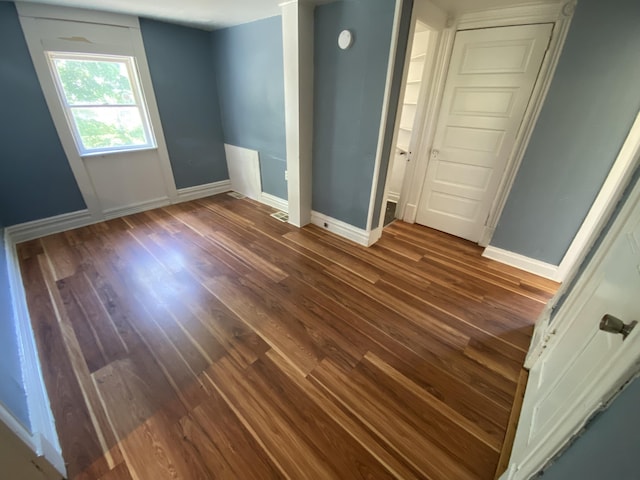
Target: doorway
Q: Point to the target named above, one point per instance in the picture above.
(590, 353)
(415, 81)
(490, 75)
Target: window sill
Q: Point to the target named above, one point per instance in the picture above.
(118, 152)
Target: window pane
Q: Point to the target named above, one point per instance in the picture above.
(104, 127)
(95, 83)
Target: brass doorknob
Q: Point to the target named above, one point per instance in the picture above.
(611, 324)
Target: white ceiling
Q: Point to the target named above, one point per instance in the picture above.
(211, 14)
(207, 14)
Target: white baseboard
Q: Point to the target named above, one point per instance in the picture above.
(374, 236)
(410, 213)
(23, 232)
(393, 197)
(44, 437)
(527, 264)
(201, 191)
(136, 208)
(346, 230)
(275, 202)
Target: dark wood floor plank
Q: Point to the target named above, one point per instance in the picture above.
(348, 459)
(400, 434)
(452, 433)
(348, 262)
(221, 443)
(90, 317)
(293, 345)
(358, 430)
(209, 340)
(80, 444)
(288, 448)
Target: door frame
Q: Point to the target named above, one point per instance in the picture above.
(601, 388)
(440, 29)
(560, 15)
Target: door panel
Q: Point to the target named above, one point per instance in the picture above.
(491, 77)
(126, 180)
(583, 365)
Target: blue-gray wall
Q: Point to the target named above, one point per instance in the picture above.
(35, 177)
(250, 78)
(394, 99)
(609, 447)
(12, 393)
(590, 107)
(348, 89)
(184, 83)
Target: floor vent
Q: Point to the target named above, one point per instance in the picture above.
(236, 195)
(282, 216)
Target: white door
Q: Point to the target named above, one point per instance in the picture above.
(582, 365)
(125, 179)
(491, 76)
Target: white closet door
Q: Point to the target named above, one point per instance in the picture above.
(491, 77)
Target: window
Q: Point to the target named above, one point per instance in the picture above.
(103, 102)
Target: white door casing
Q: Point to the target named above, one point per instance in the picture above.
(434, 19)
(411, 110)
(582, 366)
(491, 76)
(117, 183)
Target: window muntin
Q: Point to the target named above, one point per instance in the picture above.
(103, 102)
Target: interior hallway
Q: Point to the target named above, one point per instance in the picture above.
(209, 340)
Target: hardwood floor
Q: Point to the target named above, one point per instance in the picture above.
(208, 340)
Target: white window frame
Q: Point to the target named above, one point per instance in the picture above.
(136, 88)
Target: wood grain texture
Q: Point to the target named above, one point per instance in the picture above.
(208, 340)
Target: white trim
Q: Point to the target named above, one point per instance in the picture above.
(346, 230)
(386, 103)
(23, 232)
(523, 263)
(134, 81)
(137, 207)
(201, 191)
(514, 15)
(297, 44)
(275, 202)
(414, 177)
(392, 197)
(154, 113)
(562, 20)
(44, 437)
(36, 10)
(374, 235)
(626, 162)
(435, 20)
